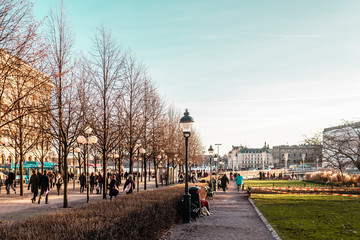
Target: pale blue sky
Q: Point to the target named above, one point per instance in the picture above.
(248, 71)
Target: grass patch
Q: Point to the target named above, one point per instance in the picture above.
(311, 216)
(281, 183)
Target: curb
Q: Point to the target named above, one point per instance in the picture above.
(267, 224)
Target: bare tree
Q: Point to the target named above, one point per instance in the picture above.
(21, 56)
(107, 70)
(133, 105)
(66, 113)
(344, 143)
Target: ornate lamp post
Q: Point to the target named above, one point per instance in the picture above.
(211, 151)
(142, 151)
(186, 123)
(76, 150)
(86, 141)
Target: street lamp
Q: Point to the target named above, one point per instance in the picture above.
(86, 141)
(142, 151)
(211, 151)
(76, 150)
(217, 144)
(185, 124)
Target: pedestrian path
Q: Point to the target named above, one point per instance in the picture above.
(233, 217)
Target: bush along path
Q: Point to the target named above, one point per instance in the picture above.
(143, 215)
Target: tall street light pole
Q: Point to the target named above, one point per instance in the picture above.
(211, 151)
(186, 123)
(217, 144)
(86, 141)
(140, 150)
(76, 150)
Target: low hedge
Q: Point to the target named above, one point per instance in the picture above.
(143, 215)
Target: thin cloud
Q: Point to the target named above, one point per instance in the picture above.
(294, 35)
(296, 99)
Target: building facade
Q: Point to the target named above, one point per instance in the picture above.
(244, 158)
(286, 156)
(25, 101)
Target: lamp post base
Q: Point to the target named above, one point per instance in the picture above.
(186, 209)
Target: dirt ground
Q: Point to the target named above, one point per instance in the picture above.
(232, 217)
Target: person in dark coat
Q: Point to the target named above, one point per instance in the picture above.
(131, 184)
(44, 187)
(10, 182)
(224, 182)
(34, 183)
(92, 182)
(82, 180)
(100, 180)
(113, 190)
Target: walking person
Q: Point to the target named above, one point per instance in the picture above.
(129, 185)
(92, 182)
(100, 180)
(113, 189)
(58, 182)
(82, 180)
(9, 182)
(224, 182)
(239, 182)
(44, 187)
(1, 180)
(34, 183)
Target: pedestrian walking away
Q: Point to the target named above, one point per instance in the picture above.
(58, 182)
(129, 185)
(239, 182)
(9, 182)
(92, 182)
(34, 183)
(100, 180)
(113, 190)
(224, 182)
(44, 187)
(82, 180)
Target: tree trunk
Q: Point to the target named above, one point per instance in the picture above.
(155, 169)
(65, 177)
(144, 167)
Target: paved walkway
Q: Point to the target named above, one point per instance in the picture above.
(232, 217)
(14, 207)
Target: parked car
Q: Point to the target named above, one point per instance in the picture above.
(153, 174)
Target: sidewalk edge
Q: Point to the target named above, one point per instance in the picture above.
(267, 224)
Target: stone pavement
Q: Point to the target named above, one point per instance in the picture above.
(233, 217)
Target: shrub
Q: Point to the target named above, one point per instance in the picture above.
(333, 177)
(142, 215)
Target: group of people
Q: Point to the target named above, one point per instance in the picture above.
(223, 181)
(9, 182)
(41, 182)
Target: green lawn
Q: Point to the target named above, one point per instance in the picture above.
(281, 183)
(311, 216)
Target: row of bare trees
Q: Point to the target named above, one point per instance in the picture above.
(106, 88)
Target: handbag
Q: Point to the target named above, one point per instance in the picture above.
(128, 187)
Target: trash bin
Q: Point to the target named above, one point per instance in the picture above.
(195, 201)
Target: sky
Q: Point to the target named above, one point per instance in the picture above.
(249, 72)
